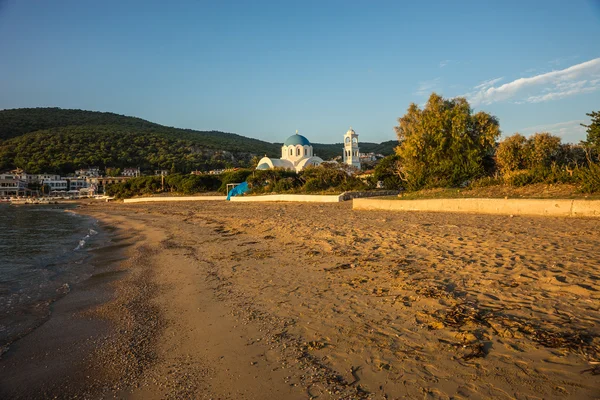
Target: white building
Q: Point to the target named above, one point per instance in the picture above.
(351, 152)
(296, 154)
(12, 185)
(46, 177)
(92, 172)
(131, 172)
(56, 185)
(77, 183)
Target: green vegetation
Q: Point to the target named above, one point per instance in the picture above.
(445, 145)
(330, 151)
(389, 172)
(17, 122)
(149, 185)
(61, 141)
(593, 132)
(325, 178)
(63, 150)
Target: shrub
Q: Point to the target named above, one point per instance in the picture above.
(519, 178)
(485, 182)
(233, 177)
(589, 178)
(313, 185)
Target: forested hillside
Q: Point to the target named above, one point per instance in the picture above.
(65, 149)
(61, 141)
(328, 151)
(14, 123)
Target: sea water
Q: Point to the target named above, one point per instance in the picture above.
(44, 251)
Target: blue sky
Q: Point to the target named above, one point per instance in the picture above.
(266, 68)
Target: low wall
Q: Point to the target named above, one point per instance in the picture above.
(543, 207)
(174, 198)
(358, 195)
(290, 197)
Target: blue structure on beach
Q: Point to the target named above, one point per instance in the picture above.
(239, 189)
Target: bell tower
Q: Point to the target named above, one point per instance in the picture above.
(351, 152)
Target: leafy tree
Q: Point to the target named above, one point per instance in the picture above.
(510, 153)
(444, 144)
(389, 171)
(542, 150)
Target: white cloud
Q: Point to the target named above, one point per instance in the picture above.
(569, 131)
(577, 79)
(488, 83)
(426, 87)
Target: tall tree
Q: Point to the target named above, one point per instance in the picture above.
(593, 131)
(444, 144)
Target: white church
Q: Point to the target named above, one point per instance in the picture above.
(297, 153)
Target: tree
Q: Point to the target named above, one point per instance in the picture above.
(542, 150)
(593, 131)
(389, 172)
(444, 144)
(510, 154)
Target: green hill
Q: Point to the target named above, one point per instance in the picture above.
(61, 141)
(329, 151)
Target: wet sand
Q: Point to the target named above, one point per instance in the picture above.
(270, 301)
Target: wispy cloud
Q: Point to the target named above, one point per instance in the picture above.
(569, 131)
(562, 60)
(445, 63)
(489, 83)
(577, 79)
(426, 87)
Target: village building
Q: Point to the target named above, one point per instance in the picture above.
(56, 185)
(12, 185)
(77, 184)
(46, 177)
(91, 172)
(296, 154)
(351, 151)
(97, 185)
(131, 172)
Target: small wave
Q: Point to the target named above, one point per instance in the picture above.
(82, 243)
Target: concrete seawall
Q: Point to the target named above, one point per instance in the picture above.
(174, 198)
(307, 198)
(289, 197)
(541, 207)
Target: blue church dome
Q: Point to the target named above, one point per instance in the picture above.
(295, 140)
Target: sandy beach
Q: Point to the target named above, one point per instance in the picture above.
(221, 300)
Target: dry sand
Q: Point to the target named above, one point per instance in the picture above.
(297, 301)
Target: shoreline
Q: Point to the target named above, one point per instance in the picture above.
(249, 301)
(57, 351)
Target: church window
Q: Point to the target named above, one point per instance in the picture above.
(291, 152)
(298, 151)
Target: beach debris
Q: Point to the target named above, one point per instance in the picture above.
(339, 267)
(472, 315)
(594, 370)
